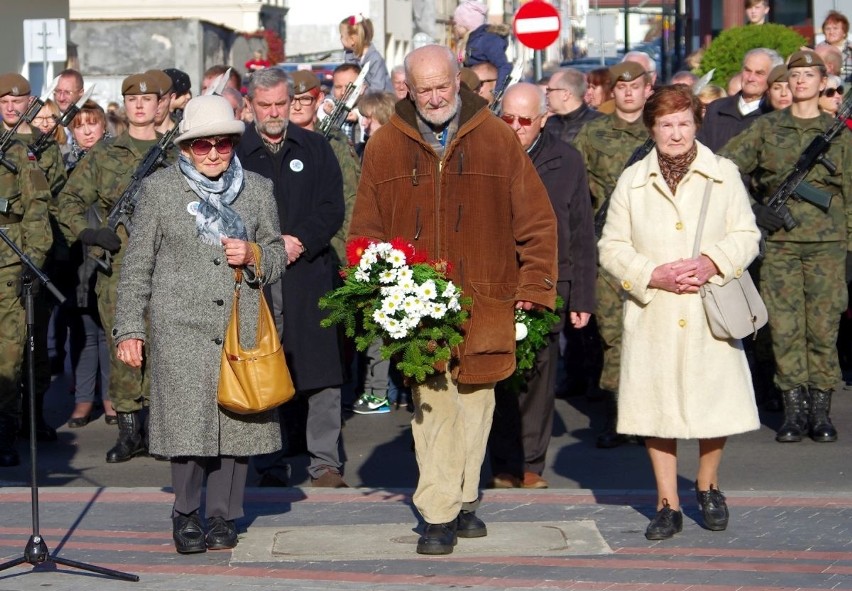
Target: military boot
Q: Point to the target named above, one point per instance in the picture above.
(129, 442)
(609, 437)
(795, 415)
(8, 429)
(821, 429)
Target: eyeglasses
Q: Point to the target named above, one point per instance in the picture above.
(59, 92)
(830, 92)
(548, 90)
(523, 121)
(42, 120)
(488, 80)
(202, 147)
(305, 100)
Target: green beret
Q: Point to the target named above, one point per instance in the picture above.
(470, 79)
(146, 83)
(626, 72)
(14, 84)
(778, 74)
(805, 59)
(304, 81)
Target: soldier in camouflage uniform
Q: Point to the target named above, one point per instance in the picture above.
(802, 276)
(607, 143)
(98, 182)
(23, 216)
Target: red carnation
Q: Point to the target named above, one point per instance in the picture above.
(355, 249)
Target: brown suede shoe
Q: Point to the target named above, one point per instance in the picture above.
(533, 480)
(504, 480)
(329, 479)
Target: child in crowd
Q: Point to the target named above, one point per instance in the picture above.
(478, 42)
(356, 36)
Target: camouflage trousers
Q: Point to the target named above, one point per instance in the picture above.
(128, 386)
(12, 340)
(609, 317)
(803, 285)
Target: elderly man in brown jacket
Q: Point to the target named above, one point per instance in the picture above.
(452, 179)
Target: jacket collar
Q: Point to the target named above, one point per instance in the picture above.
(252, 142)
(705, 164)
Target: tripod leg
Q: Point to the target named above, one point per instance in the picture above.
(94, 569)
(12, 563)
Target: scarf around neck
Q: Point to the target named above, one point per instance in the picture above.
(215, 217)
(674, 167)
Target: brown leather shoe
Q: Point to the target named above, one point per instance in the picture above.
(329, 479)
(533, 480)
(504, 480)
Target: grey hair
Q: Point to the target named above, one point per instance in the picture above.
(774, 57)
(400, 69)
(573, 79)
(269, 78)
(651, 64)
(685, 75)
(535, 88)
(451, 59)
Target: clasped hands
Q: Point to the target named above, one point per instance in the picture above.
(683, 275)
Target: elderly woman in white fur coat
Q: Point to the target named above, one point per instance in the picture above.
(677, 380)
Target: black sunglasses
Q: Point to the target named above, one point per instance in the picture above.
(830, 92)
(202, 147)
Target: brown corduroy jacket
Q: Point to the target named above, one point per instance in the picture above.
(482, 207)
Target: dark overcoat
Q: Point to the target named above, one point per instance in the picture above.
(308, 189)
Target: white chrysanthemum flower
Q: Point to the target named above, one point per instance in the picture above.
(410, 321)
(428, 291)
(449, 291)
(362, 276)
(382, 247)
(396, 294)
(437, 310)
(387, 276)
(407, 285)
(396, 258)
(380, 316)
(454, 304)
(521, 331)
(404, 274)
(390, 305)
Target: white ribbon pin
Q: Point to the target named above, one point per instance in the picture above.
(192, 207)
(296, 165)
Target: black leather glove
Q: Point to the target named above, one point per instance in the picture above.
(26, 275)
(766, 218)
(848, 266)
(103, 237)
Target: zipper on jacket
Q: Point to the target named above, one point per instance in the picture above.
(417, 226)
(414, 180)
(458, 218)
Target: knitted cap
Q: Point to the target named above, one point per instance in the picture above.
(180, 81)
(470, 14)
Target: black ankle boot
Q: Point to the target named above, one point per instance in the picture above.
(821, 429)
(468, 525)
(8, 429)
(795, 415)
(129, 442)
(713, 508)
(610, 437)
(665, 524)
(437, 538)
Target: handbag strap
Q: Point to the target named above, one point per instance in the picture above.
(700, 230)
(258, 270)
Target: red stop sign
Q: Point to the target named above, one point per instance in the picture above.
(536, 24)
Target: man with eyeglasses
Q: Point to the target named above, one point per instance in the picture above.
(308, 187)
(24, 198)
(523, 421)
(607, 144)
(69, 90)
(487, 74)
(565, 92)
(97, 183)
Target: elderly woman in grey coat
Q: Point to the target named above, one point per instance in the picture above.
(193, 225)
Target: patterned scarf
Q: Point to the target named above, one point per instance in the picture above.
(216, 217)
(675, 167)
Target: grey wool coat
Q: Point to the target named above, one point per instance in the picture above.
(184, 288)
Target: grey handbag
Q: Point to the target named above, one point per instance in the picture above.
(734, 310)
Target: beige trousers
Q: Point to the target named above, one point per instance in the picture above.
(450, 427)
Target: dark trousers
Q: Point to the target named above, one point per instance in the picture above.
(90, 356)
(226, 485)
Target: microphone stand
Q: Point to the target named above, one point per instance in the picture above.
(36, 551)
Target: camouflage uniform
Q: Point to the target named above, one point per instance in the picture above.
(27, 225)
(802, 275)
(607, 143)
(99, 180)
(350, 166)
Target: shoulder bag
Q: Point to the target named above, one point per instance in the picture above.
(734, 310)
(253, 380)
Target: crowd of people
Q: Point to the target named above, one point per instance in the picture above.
(612, 193)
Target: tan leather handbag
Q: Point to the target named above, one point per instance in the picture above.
(253, 380)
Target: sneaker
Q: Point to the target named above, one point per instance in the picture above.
(371, 405)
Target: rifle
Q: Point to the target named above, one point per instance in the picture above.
(638, 154)
(513, 78)
(27, 117)
(64, 120)
(815, 153)
(122, 211)
(344, 104)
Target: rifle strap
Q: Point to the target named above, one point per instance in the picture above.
(10, 218)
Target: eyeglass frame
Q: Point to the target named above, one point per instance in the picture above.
(548, 89)
(300, 99)
(214, 145)
(838, 90)
(519, 119)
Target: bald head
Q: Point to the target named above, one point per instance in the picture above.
(524, 103)
(431, 57)
(432, 76)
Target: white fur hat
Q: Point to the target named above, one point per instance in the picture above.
(208, 116)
